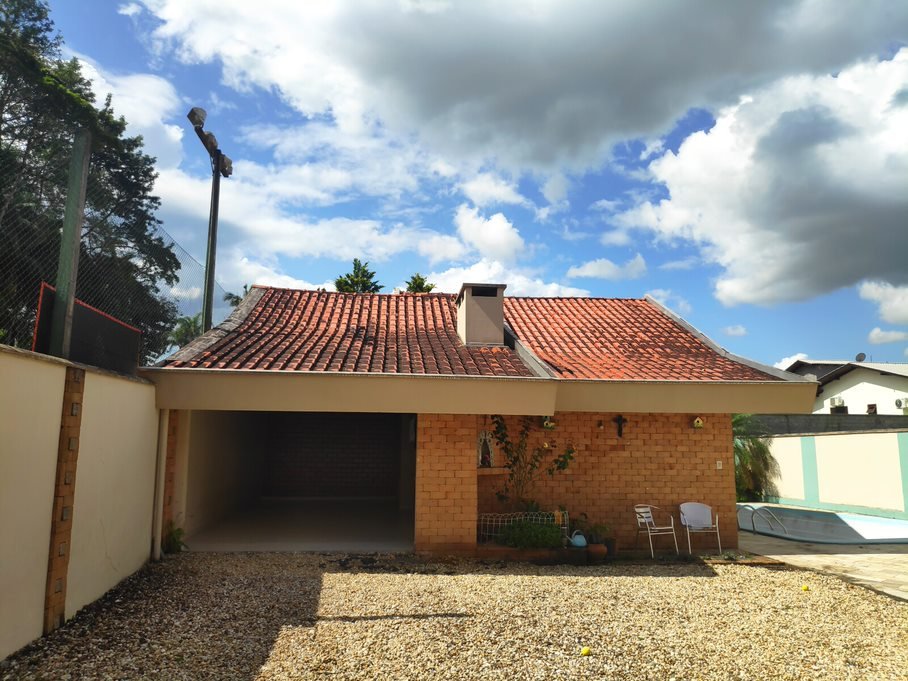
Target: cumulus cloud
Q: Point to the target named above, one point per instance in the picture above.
(878, 336)
(520, 282)
(486, 189)
(798, 190)
(671, 300)
(735, 330)
(129, 9)
(528, 85)
(493, 237)
(892, 300)
(604, 268)
(786, 362)
(147, 102)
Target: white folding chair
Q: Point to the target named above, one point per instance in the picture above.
(697, 517)
(646, 521)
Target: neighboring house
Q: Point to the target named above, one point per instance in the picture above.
(857, 387)
(851, 454)
(303, 394)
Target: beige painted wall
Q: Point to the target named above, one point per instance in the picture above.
(31, 394)
(787, 452)
(112, 510)
(224, 466)
(860, 469)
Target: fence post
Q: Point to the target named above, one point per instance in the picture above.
(68, 264)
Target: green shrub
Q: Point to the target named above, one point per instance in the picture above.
(172, 541)
(527, 535)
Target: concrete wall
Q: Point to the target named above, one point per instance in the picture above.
(224, 469)
(859, 472)
(861, 387)
(30, 397)
(112, 510)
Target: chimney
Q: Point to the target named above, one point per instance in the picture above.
(480, 314)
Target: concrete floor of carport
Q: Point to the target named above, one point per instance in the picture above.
(347, 525)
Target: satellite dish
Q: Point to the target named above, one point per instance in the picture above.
(860, 357)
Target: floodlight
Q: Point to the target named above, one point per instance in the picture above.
(197, 116)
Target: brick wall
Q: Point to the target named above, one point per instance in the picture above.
(661, 460)
(446, 498)
(332, 455)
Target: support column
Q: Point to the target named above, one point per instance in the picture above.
(157, 524)
(64, 496)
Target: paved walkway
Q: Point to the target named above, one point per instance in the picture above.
(882, 567)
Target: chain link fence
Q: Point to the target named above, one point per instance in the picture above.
(129, 267)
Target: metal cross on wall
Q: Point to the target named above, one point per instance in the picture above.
(620, 421)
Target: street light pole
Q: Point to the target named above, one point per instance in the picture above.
(220, 165)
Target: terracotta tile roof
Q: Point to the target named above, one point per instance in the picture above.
(294, 330)
(607, 338)
(579, 338)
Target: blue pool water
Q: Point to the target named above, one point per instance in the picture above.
(825, 527)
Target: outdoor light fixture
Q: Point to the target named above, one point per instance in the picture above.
(220, 165)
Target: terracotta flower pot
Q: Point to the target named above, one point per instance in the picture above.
(596, 554)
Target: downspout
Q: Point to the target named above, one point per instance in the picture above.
(160, 471)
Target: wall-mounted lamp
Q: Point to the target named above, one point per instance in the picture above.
(600, 424)
(548, 423)
(698, 422)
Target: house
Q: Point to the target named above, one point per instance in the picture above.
(382, 403)
(857, 387)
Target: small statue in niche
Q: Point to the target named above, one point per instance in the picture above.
(485, 450)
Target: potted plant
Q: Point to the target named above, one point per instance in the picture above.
(600, 545)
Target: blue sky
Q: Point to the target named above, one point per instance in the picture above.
(749, 170)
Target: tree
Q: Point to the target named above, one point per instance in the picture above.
(124, 263)
(234, 299)
(418, 284)
(186, 330)
(755, 467)
(360, 280)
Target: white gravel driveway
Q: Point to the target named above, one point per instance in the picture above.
(286, 616)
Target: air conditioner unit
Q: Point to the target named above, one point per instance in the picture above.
(836, 402)
(901, 402)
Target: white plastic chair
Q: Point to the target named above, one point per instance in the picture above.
(697, 517)
(646, 522)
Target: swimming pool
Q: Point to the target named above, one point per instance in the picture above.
(824, 527)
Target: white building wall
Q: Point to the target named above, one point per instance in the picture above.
(861, 387)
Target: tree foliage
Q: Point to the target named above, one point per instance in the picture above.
(186, 330)
(524, 463)
(755, 467)
(124, 262)
(360, 280)
(234, 299)
(418, 284)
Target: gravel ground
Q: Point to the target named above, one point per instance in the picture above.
(304, 616)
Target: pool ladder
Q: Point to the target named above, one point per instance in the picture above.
(762, 511)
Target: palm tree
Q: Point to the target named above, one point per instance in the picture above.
(755, 467)
(187, 329)
(234, 299)
(360, 280)
(418, 284)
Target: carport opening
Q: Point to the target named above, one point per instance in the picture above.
(276, 481)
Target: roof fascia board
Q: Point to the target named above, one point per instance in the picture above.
(685, 397)
(340, 392)
(765, 368)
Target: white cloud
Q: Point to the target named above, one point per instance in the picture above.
(878, 336)
(487, 189)
(147, 102)
(683, 264)
(493, 237)
(555, 189)
(441, 247)
(609, 205)
(463, 79)
(671, 300)
(520, 282)
(606, 269)
(185, 292)
(735, 330)
(892, 300)
(129, 9)
(786, 362)
(237, 270)
(797, 190)
(615, 237)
